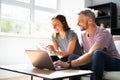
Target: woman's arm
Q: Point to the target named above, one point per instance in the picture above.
(70, 49)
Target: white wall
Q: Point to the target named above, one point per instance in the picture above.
(71, 8)
(12, 49)
(95, 2)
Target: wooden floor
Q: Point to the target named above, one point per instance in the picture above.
(24, 78)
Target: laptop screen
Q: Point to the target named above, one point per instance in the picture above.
(40, 59)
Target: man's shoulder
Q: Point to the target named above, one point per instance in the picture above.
(102, 31)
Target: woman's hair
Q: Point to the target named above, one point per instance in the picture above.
(62, 19)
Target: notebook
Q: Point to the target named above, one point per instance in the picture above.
(41, 59)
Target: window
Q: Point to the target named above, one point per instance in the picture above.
(14, 19)
(42, 24)
(25, 1)
(46, 3)
(27, 17)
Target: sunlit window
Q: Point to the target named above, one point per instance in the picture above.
(15, 12)
(10, 26)
(43, 24)
(47, 3)
(14, 19)
(23, 17)
(25, 1)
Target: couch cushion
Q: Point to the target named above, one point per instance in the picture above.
(117, 44)
(112, 75)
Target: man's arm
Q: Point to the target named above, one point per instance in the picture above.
(86, 57)
(98, 45)
(81, 60)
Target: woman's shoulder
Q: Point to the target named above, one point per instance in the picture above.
(71, 32)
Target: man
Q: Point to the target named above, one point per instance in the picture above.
(100, 51)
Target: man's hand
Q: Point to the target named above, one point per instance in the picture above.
(61, 63)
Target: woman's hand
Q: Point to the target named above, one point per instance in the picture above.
(51, 49)
(62, 64)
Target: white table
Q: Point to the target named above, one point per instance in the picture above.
(45, 74)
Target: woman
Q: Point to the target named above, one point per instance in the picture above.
(65, 41)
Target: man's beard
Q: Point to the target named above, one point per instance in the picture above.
(84, 27)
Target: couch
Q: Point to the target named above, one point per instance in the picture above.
(114, 75)
(110, 75)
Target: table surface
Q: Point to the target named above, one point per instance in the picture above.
(48, 74)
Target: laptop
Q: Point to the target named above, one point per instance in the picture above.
(41, 59)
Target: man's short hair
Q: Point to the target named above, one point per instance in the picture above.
(88, 13)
